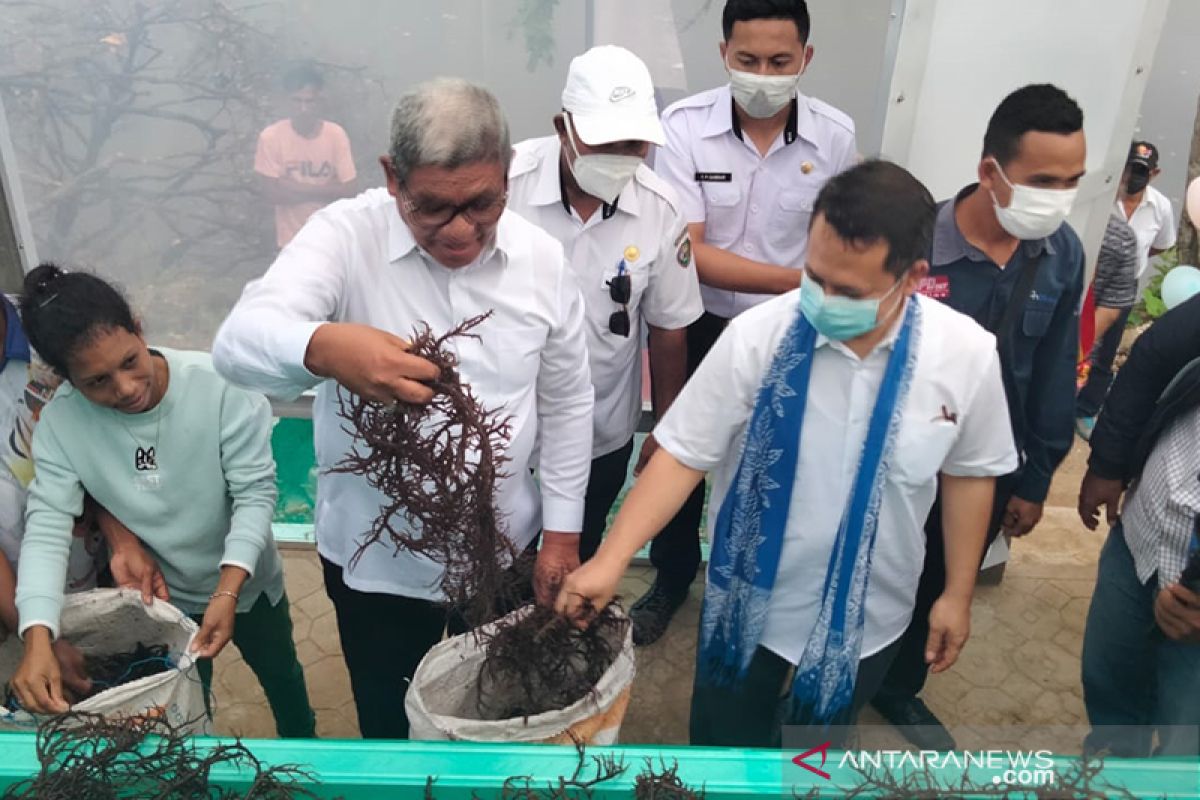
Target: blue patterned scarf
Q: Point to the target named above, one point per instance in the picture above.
(751, 521)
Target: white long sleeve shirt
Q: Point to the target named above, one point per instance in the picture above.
(356, 261)
(954, 421)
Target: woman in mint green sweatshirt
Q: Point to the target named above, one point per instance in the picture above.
(182, 459)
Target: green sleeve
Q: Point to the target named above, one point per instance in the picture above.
(55, 500)
(249, 475)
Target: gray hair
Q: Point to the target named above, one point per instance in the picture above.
(448, 122)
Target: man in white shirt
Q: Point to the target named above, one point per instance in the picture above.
(628, 245)
(436, 247)
(827, 416)
(747, 160)
(1147, 210)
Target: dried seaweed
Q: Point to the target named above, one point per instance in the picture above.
(569, 661)
(87, 757)
(438, 465)
(115, 669)
(663, 784)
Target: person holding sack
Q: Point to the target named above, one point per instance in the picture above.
(182, 459)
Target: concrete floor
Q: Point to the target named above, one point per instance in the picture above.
(1017, 680)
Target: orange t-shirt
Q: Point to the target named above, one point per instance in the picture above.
(283, 153)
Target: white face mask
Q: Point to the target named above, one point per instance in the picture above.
(1032, 213)
(602, 175)
(762, 96)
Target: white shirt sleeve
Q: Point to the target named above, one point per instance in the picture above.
(674, 164)
(672, 298)
(700, 427)
(1166, 233)
(849, 155)
(565, 400)
(984, 446)
(262, 343)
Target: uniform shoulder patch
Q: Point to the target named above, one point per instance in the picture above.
(683, 250)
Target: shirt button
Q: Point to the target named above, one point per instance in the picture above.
(753, 208)
(749, 247)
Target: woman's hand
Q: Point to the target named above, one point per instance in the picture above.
(217, 627)
(131, 565)
(76, 683)
(38, 680)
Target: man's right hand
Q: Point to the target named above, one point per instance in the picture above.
(1095, 492)
(588, 589)
(371, 363)
(38, 680)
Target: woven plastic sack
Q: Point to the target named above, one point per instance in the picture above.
(443, 696)
(109, 621)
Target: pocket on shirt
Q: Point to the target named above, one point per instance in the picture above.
(722, 222)
(518, 357)
(1036, 319)
(921, 449)
(792, 212)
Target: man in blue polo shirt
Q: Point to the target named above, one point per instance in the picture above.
(1004, 255)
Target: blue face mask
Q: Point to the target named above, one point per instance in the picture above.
(839, 318)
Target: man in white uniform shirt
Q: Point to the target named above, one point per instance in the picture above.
(436, 247)
(827, 417)
(747, 160)
(628, 245)
(1147, 210)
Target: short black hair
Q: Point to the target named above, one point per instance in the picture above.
(746, 10)
(62, 311)
(303, 75)
(880, 201)
(1036, 107)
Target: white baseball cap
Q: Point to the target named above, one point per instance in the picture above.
(610, 97)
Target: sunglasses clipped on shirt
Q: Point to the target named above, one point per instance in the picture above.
(620, 289)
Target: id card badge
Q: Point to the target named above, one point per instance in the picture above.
(147, 482)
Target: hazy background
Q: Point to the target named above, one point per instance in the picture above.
(134, 123)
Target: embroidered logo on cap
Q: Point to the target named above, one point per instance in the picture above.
(620, 93)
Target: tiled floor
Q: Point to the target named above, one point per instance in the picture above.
(1019, 672)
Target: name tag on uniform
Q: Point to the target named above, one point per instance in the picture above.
(714, 177)
(935, 286)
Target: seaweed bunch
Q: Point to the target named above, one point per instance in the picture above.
(87, 757)
(543, 662)
(438, 465)
(663, 784)
(604, 768)
(115, 669)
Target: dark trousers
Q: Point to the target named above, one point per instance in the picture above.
(384, 637)
(1100, 375)
(675, 551)
(754, 713)
(604, 485)
(263, 635)
(908, 672)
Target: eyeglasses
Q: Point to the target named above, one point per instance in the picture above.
(620, 289)
(483, 211)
